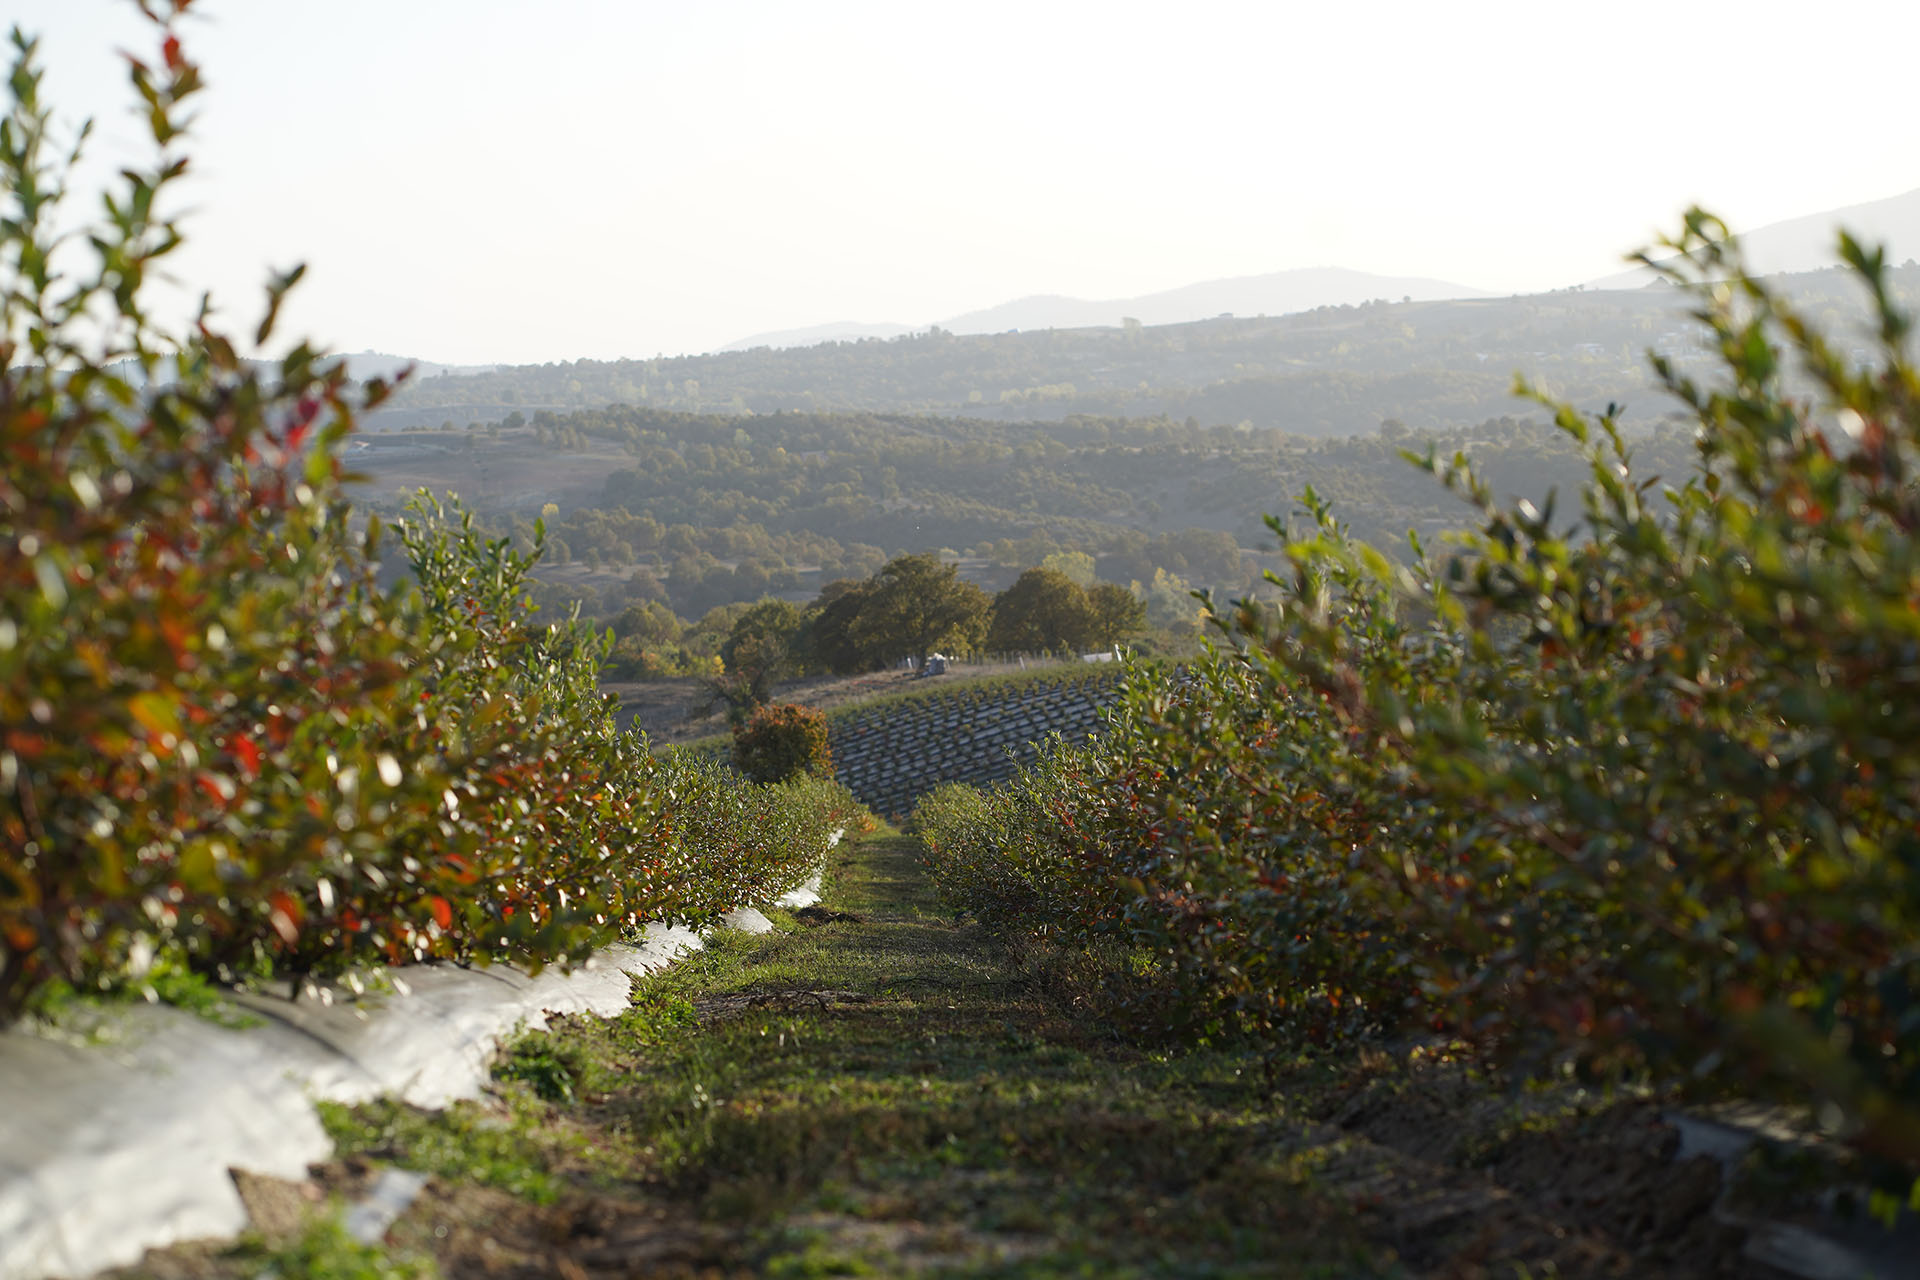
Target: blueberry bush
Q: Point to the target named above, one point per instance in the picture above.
(1626, 789)
(222, 746)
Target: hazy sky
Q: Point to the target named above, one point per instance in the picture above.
(504, 180)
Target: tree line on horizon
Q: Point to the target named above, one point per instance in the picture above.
(914, 608)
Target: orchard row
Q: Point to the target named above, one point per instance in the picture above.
(223, 749)
(1634, 789)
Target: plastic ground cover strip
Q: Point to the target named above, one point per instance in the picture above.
(117, 1136)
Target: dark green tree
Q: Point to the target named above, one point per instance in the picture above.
(830, 641)
(1043, 611)
(764, 647)
(1117, 613)
(920, 606)
(651, 624)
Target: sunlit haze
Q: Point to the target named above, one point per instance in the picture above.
(489, 181)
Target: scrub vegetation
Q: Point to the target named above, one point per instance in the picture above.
(1622, 794)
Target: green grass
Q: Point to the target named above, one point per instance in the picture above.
(167, 981)
(514, 1143)
(324, 1251)
(894, 1095)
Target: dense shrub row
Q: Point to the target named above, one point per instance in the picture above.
(1638, 791)
(220, 743)
(1023, 856)
(736, 843)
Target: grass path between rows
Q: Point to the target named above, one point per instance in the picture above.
(886, 1093)
(875, 1089)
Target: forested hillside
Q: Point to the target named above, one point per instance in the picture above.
(1327, 372)
(704, 510)
(1155, 451)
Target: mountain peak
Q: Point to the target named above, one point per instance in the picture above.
(1811, 242)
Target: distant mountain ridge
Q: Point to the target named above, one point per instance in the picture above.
(1276, 293)
(845, 331)
(1809, 243)
(362, 365)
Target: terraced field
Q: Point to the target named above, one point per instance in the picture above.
(891, 752)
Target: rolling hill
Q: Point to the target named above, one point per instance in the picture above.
(1276, 293)
(1809, 243)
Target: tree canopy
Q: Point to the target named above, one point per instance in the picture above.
(1044, 611)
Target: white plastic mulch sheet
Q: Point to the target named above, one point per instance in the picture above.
(119, 1139)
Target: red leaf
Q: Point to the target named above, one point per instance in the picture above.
(442, 912)
(249, 756)
(285, 918)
